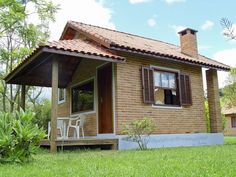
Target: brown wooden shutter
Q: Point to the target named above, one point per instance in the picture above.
(148, 85)
(185, 90)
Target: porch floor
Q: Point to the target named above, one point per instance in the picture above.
(87, 141)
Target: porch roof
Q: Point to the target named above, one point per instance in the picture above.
(36, 68)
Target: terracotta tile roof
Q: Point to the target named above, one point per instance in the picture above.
(75, 45)
(82, 46)
(120, 40)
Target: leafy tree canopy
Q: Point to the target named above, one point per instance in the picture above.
(229, 91)
(24, 24)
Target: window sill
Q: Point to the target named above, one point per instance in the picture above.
(167, 107)
(83, 113)
(61, 102)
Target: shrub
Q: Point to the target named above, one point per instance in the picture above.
(19, 137)
(223, 121)
(42, 114)
(207, 118)
(139, 131)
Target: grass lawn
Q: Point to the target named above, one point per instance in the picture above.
(190, 161)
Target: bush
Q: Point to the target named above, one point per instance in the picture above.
(139, 131)
(207, 118)
(42, 114)
(223, 121)
(19, 137)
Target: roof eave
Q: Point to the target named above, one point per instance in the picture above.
(24, 63)
(85, 55)
(166, 57)
(42, 49)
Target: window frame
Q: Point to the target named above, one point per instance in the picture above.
(177, 86)
(58, 99)
(233, 119)
(94, 96)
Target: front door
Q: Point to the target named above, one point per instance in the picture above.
(105, 116)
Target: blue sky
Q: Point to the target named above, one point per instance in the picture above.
(134, 18)
(158, 19)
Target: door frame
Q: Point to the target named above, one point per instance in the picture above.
(113, 101)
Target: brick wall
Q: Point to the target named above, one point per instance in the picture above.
(85, 71)
(213, 101)
(129, 103)
(229, 131)
(130, 106)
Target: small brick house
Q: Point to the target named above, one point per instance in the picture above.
(230, 124)
(114, 77)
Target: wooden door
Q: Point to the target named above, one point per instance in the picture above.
(105, 116)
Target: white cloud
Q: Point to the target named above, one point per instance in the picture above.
(228, 57)
(204, 47)
(138, 1)
(89, 11)
(207, 25)
(177, 28)
(151, 22)
(174, 1)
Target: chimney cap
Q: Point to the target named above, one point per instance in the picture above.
(193, 31)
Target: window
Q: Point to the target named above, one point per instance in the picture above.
(61, 96)
(83, 97)
(163, 87)
(233, 122)
(166, 90)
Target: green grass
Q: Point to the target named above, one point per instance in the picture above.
(230, 140)
(190, 161)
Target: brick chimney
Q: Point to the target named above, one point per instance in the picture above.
(188, 42)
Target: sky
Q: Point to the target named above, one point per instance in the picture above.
(158, 19)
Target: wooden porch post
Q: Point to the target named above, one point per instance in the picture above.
(23, 97)
(53, 147)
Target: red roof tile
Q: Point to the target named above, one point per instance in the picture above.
(75, 45)
(120, 40)
(82, 46)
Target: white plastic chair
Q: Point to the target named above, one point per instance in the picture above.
(79, 124)
(59, 127)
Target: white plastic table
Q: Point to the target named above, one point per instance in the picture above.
(64, 128)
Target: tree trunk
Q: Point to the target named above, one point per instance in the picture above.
(4, 99)
(11, 99)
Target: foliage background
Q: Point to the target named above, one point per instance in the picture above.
(19, 35)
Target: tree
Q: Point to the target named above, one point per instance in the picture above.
(18, 37)
(229, 91)
(229, 31)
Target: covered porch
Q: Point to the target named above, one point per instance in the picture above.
(54, 65)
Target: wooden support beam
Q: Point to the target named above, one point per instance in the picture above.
(23, 97)
(53, 147)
